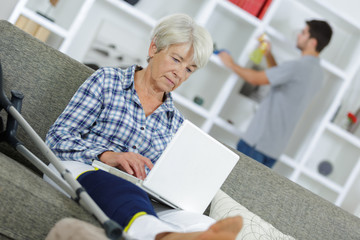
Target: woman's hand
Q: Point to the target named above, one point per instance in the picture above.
(132, 163)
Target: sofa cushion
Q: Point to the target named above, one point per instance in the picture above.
(29, 207)
(254, 227)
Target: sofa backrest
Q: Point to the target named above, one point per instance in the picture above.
(47, 78)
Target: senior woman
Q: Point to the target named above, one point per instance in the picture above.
(125, 118)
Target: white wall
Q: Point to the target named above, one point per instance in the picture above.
(6, 7)
(349, 8)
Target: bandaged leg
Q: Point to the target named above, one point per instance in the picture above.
(130, 206)
(124, 203)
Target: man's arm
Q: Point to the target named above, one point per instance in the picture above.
(270, 60)
(252, 76)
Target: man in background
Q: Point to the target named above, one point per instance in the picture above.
(293, 84)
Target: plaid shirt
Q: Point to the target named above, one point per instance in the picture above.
(106, 114)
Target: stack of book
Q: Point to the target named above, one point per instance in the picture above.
(255, 7)
(32, 28)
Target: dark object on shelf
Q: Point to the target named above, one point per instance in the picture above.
(92, 66)
(132, 2)
(256, 93)
(47, 12)
(248, 89)
(198, 100)
(112, 46)
(336, 114)
(325, 168)
(230, 122)
(45, 16)
(102, 52)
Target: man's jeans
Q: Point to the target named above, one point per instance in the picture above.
(256, 155)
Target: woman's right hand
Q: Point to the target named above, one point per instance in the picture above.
(132, 163)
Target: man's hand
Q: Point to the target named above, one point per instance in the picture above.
(132, 163)
(226, 59)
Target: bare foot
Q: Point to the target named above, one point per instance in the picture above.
(226, 229)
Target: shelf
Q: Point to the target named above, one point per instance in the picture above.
(113, 23)
(162, 7)
(53, 27)
(288, 161)
(228, 127)
(238, 109)
(314, 175)
(350, 103)
(343, 134)
(352, 202)
(188, 105)
(289, 19)
(193, 116)
(204, 84)
(336, 150)
(222, 25)
(133, 11)
(110, 47)
(343, 49)
(239, 12)
(63, 14)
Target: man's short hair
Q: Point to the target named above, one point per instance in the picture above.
(321, 31)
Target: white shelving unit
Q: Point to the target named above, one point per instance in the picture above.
(225, 113)
(67, 18)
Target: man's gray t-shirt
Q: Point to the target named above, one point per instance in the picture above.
(292, 86)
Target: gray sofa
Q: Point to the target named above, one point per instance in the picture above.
(29, 207)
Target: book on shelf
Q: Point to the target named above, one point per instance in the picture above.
(264, 9)
(252, 6)
(256, 8)
(234, 1)
(32, 28)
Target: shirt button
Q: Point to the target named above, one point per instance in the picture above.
(142, 128)
(134, 147)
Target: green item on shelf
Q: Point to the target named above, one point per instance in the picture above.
(198, 100)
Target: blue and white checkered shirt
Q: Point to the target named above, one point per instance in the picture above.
(106, 114)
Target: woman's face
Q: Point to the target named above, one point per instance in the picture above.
(171, 67)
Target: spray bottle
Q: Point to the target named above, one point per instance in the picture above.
(257, 55)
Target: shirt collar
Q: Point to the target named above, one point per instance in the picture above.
(129, 79)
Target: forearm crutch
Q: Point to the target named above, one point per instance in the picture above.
(68, 183)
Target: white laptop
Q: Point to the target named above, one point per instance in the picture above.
(188, 173)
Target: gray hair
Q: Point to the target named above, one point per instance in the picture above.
(180, 28)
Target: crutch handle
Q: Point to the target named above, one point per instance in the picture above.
(12, 124)
(4, 100)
